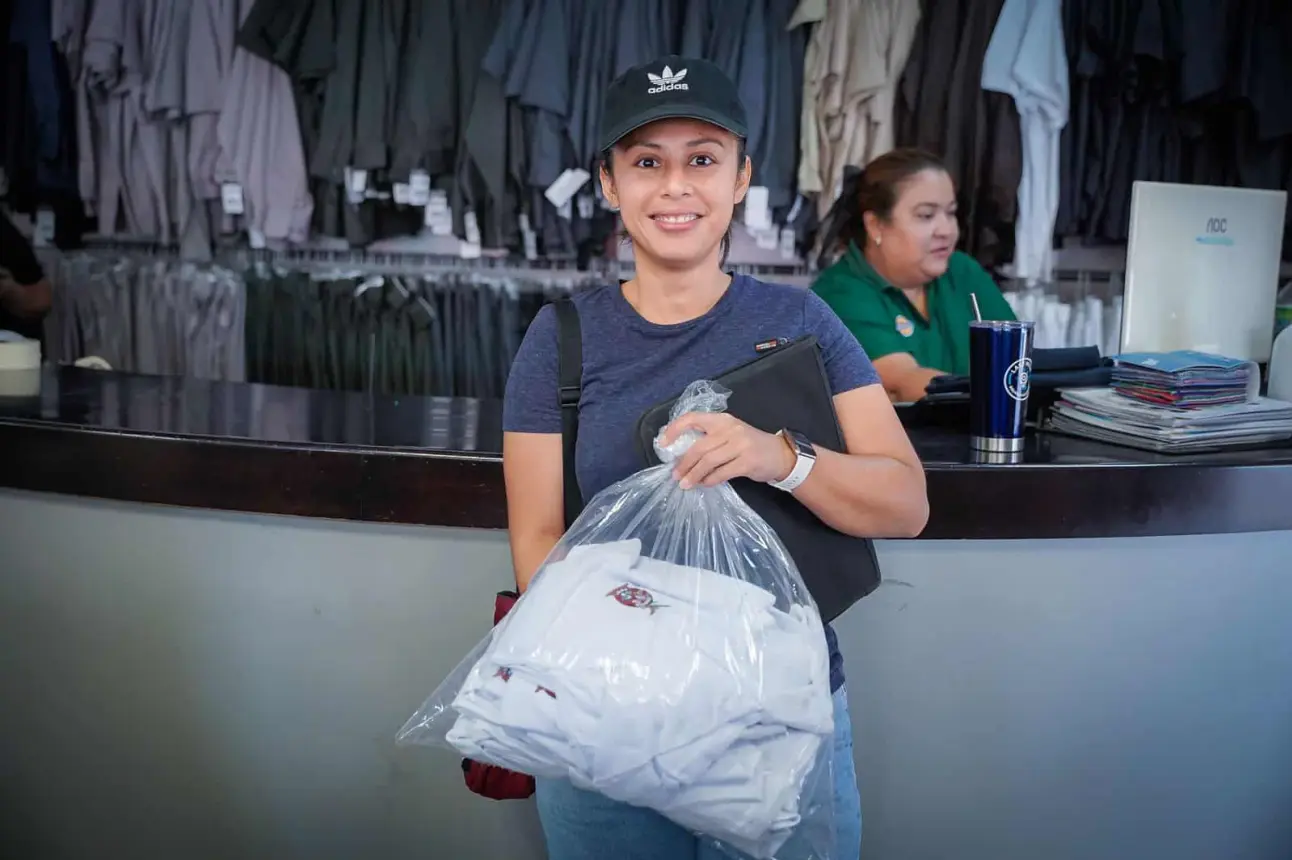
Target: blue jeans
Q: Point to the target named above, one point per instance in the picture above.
(582, 825)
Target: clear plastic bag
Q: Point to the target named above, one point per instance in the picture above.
(667, 655)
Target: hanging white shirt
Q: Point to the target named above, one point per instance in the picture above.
(1026, 59)
(658, 685)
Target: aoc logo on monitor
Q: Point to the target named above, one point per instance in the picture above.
(1216, 232)
(667, 80)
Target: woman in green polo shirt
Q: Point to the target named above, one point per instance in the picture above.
(901, 287)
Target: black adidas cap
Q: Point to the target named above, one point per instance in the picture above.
(671, 87)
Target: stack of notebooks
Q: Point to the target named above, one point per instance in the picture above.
(1184, 380)
(1176, 402)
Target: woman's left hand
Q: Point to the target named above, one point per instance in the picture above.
(730, 448)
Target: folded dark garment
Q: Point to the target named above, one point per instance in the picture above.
(1090, 377)
(1051, 368)
(942, 385)
(1074, 358)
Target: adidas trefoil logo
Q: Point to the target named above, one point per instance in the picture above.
(667, 80)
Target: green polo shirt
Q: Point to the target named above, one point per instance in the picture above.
(885, 322)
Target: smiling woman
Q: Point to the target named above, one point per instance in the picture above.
(646, 150)
(901, 287)
(674, 165)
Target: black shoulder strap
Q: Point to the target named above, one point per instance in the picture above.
(570, 388)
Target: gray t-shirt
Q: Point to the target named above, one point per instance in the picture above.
(630, 365)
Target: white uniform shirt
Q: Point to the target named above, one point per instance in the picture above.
(1027, 60)
(658, 685)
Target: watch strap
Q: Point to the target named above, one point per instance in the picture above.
(803, 464)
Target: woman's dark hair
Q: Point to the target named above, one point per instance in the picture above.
(874, 189)
(607, 164)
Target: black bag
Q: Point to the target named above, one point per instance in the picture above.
(787, 387)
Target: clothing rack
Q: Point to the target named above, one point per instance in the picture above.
(503, 265)
(599, 270)
(1076, 307)
(1094, 276)
(146, 311)
(412, 263)
(317, 317)
(1091, 274)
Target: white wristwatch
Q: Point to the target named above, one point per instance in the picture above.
(805, 459)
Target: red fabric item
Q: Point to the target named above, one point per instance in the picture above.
(502, 604)
(497, 783)
(486, 780)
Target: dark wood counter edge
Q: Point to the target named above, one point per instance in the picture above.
(465, 490)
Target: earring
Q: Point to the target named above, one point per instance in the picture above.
(879, 240)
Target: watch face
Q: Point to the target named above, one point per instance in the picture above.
(802, 444)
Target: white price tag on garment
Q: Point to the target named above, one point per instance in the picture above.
(438, 216)
(529, 240)
(471, 227)
(255, 238)
(468, 250)
(768, 240)
(560, 192)
(231, 198)
(795, 209)
(757, 214)
(587, 206)
(44, 232)
(403, 193)
(789, 243)
(356, 183)
(419, 188)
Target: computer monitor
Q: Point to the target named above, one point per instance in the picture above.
(1202, 269)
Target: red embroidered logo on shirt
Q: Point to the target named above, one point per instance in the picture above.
(504, 673)
(635, 598)
(542, 689)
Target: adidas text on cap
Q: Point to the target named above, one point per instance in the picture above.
(671, 87)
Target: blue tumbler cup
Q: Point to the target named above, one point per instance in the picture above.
(1000, 370)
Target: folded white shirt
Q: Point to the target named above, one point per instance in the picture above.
(658, 685)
